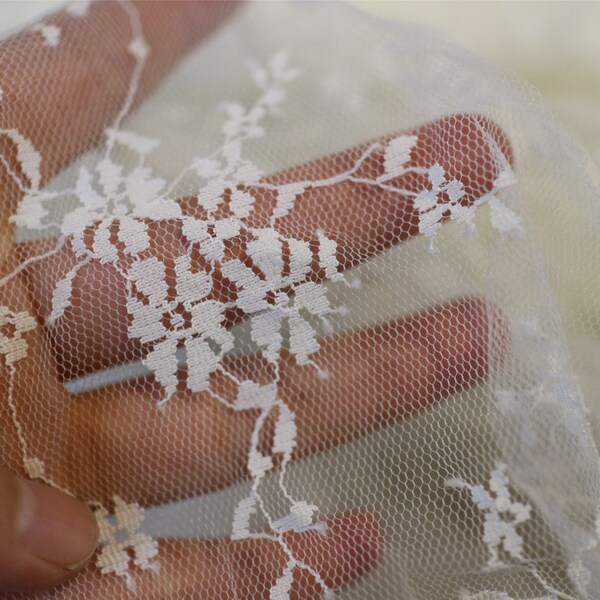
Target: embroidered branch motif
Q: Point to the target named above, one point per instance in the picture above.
(121, 541)
(502, 515)
(13, 347)
(443, 199)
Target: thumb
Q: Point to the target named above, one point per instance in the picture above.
(45, 535)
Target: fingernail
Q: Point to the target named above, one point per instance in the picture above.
(55, 527)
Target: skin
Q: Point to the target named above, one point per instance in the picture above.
(110, 435)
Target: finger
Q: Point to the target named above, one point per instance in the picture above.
(367, 218)
(376, 377)
(45, 535)
(364, 220)
(61, 98)
(349, 548)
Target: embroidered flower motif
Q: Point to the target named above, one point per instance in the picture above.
(270, 299)
(121, 541)
(189, 318)
(432, 209)
(501, 515)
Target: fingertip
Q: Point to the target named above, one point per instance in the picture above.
(45, 535)
(469, 147)
(350, 548)
(471, 333)
(360, 538)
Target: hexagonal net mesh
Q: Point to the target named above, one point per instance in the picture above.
(302, 305)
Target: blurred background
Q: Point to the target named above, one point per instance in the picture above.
(555, 45)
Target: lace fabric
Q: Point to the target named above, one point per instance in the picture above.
(301, 305)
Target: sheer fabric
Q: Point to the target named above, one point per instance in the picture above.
(302, 305)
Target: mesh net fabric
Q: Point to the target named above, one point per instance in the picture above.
(314, 317)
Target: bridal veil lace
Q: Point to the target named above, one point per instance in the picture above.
(301, 304)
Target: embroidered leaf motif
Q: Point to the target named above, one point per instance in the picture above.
(50, 33)
(61, 297)
(283, 585)
(143, 190)
(147, 324)
(241, 204)
(328, 257)
(84, 189)
(503, 219)
(103, 249)
(135, 142)
(266, 252)
(133, 233)
(162, 361)
(303, 339)
(13, 346)
(313, 298)
(206, 167)
(211, 195)
(247, 174)
(501, 515)
(284, 439)
(28, 157)
(191, 287)
(286, 198)
(149, 278)
(432, 210)
(301, 257)
(259, 464)
(397, 154)
(241, 518)
(266, 328)
(202, 361)
(225, 229)
(251, 289)
(195, 230)
(110, 176)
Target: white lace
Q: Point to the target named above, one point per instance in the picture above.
(117, 203)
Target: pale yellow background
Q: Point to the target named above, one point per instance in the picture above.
(555, 45)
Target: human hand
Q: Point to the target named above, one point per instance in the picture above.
(427, 357)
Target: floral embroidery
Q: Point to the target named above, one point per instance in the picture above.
(12, 327)
(501, 514)
(432, 210)
(121, 541)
